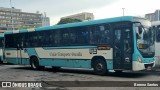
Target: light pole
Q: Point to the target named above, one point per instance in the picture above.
(123, 11)
(11, 15)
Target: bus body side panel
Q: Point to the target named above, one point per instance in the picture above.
(79, 58)
(66, 63)
(11, 55)
(16, 56)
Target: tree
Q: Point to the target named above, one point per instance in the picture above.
(68, 20)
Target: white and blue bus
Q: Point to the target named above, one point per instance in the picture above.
(120, 43)
(156, 27)
(1, 47)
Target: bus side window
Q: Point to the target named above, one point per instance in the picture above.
(158, 34)
(105, 34)
(73, 37)
(57, 37)
(117, 36)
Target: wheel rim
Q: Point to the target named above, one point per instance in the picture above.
(99, 67)
(33, 64)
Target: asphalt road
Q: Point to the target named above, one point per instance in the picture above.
(25, 73)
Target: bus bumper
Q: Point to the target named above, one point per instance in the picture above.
(137, 66)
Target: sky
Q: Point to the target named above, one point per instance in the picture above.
(55, 9)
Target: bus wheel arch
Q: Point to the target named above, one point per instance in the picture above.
(99, 65)
(34, 62)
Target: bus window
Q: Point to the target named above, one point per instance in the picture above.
(57, 38)
(158, 34)
(65, 37)
(101, 35)
(82, 35)
(117, 36)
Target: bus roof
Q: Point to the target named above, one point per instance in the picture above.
(155, 23)
(1, 35)
(115, 19)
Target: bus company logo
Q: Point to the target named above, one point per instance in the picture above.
(6, 84)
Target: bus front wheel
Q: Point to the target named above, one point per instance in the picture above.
(100, 67)
(35, 64)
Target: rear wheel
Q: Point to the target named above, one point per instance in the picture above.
(35, 64)
(100, 67)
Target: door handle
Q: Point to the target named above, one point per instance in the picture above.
(127, 59)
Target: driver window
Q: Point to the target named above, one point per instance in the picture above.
(139, 32)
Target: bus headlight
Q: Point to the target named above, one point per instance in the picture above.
(139, 59)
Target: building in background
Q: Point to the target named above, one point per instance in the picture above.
(153, 16)
(14, 19)
(45, 20)
(81, 16)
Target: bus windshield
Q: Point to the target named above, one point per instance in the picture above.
(145, 41)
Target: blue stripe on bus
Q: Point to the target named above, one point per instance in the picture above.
(72, 63)
(24, 61)
(31, 52)
(60, 62)
(10, 49)
(1, 35)
(8, 32)
(66, 63)
(23, 30)
(148, 60)
(109, 64)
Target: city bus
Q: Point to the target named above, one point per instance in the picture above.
(1, 47)
(119, 43)
(156, 27)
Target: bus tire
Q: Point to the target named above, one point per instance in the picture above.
(35, 64)
(100, 66)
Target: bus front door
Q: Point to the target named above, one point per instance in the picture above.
(122, 52)
(19, 53)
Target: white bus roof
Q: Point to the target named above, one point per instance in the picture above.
(155, 23)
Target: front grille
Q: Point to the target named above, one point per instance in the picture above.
(148, 65)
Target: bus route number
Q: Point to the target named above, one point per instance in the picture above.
(93, 51)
